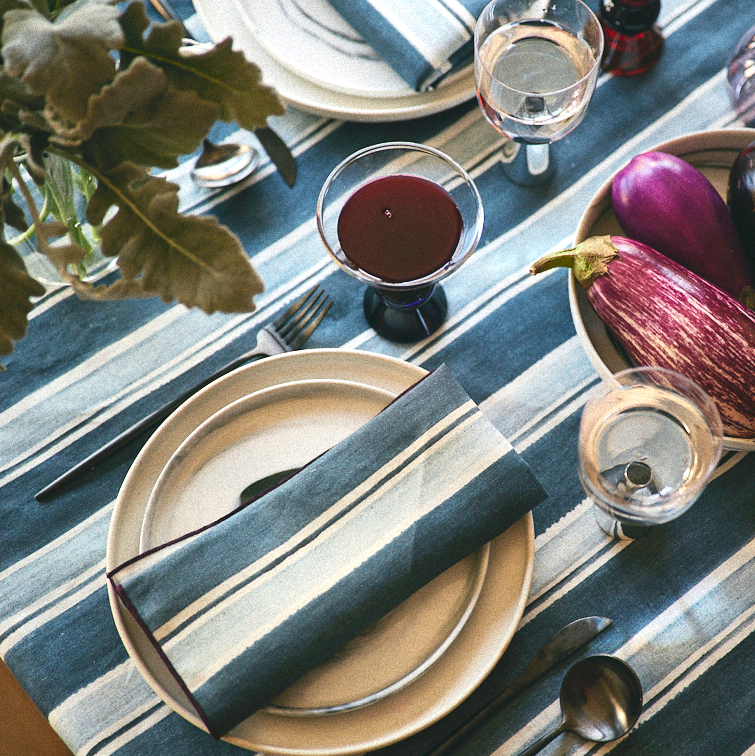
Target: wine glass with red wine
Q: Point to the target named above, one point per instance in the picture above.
(536, 64)
(399, 217)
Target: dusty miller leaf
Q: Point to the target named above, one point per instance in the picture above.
(140, 117)
(191, 259)
(220, 75)
(67, 60)
(17, 288)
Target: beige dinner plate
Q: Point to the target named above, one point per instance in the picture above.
(282, 428)
(224, 19)
(713, 153)
(314, 41)
(468, 659)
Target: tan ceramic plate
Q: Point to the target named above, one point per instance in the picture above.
(224, 19)
(281, 428)
(451, 678)
(713, 153)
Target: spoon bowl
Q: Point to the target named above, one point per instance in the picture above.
(601, 700)
(224, 164)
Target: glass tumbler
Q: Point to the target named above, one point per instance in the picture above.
(649, 442)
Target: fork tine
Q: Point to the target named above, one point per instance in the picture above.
(280, 321)
(302, 317)
(316, 318)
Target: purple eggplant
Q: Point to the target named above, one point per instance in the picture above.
(666, 316)
(666, 203)
(740, 198)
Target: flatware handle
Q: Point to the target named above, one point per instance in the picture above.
(150, 421)
(528, 676)
(537, 747)
(558, 648)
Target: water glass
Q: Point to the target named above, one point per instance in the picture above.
(649, 442)
(740, 78)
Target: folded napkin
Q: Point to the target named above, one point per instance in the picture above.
(422, 40)
(242, 609)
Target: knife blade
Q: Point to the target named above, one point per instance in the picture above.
(564, 643)
(278, 152)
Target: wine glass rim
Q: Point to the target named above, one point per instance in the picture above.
(590, 73)
(435, 276)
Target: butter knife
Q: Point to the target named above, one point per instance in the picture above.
(278, 152)
(565, 642)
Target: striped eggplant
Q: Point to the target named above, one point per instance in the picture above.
(665, 202)
(665, 315)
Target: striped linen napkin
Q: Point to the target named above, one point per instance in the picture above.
(422, 40)
(243, 608)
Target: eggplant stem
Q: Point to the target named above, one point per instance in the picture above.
(747, 297)
(588, 260)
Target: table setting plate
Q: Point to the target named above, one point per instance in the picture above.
(712, 153)
(313, 40)
(273, 431)
(493, 585)
(323, 89)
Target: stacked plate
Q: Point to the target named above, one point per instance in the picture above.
(318, 63)
(405, 672)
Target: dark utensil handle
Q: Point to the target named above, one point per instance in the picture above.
(150, 421)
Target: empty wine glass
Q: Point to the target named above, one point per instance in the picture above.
(536, 64)
(400, 217)
(649, 441)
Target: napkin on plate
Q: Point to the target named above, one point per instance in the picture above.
(241, 609)
(422, 40)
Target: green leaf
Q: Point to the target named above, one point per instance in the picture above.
(18, 288)
(142, 118)
(191, 259)
(219, 74)
(68, 60)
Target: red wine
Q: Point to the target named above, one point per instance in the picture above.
(400, 228)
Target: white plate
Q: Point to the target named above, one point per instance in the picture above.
(278, 429)
(713, 153)
(452, 678)
(223, 19)
(313, 40)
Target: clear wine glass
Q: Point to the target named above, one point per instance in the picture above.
(536, 64)
(740, 78)
(399, 217)
(649, 442)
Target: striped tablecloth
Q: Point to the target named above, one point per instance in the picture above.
(681, 599)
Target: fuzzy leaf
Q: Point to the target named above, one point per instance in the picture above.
(17, 287)
(140, 117)
(67, 60)
(191, 259)
(220, 74)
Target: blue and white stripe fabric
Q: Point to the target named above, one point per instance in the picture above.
(245, 608)
(681, 598)
(422, 40)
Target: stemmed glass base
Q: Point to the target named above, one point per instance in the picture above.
(619, 530)
(416, 318)
(528, 164)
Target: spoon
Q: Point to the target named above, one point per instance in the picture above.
(601, 699)
(224, 164)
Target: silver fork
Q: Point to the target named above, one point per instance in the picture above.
(289, 331)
